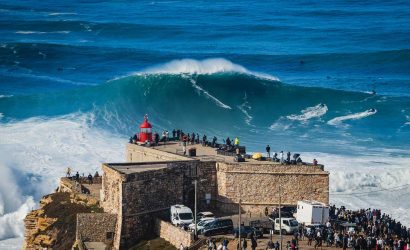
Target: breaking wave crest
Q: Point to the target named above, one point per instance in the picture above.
(201, 67)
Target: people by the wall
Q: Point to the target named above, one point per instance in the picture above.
(68, 172)
(90, 179)
(268, 151)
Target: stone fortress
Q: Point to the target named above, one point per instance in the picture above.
(136, 196)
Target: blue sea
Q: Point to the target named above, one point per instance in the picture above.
(329, 79)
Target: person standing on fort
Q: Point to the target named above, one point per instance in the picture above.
(68, 172)
(90, 179)
(268, 151)
(236, 142)
(281, 157)
(314, 162)
(174, 132)
(156, 138)
(184, 143)
(77, 176)
(204, 138)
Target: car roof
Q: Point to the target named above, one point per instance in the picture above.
(206, 213)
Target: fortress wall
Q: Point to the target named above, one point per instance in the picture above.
(207, 185)
(111, 191)
(96, 227)
(148, 195)
(257, 185)
(135, 153)
(111, 199)
(173, 234)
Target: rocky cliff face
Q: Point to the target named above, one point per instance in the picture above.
(53, 225)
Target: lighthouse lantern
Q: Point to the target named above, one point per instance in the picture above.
(145, 131)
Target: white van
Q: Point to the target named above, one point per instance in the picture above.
(181, 215)
(289, 225)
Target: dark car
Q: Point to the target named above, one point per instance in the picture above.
(247, 232)
(218, 226)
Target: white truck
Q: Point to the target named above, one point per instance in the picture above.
(181, 215)
(289, 225)
(312, 212)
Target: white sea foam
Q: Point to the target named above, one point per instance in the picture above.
(370, 180)
(355, 116)
(208, 95)
(62, 13)
(309, 113)
(34, 154)
(27, 32)
(12, 243)
(203, 67)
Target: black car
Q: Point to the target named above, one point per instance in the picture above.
(218, 226)
(247, 232)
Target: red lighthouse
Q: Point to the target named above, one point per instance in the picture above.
(145, 131)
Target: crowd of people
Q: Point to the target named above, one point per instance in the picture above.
(364, 229)
(77, 176)
(227, 145)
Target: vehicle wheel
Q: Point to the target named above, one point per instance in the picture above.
(284, 232)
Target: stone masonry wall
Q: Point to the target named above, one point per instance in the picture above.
(257, 186)
(135, 153)
(173, 234)
(147, 195)
(97, 227)
(207, 184)
(111, 200)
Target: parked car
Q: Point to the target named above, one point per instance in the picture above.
(181, 215)
(263, 225)
(201, 223)
(247, 232)
(218, 226)
(204, 215)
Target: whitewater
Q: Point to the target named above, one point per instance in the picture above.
(329, 80)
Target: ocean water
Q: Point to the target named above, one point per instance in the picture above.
(330, 80)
